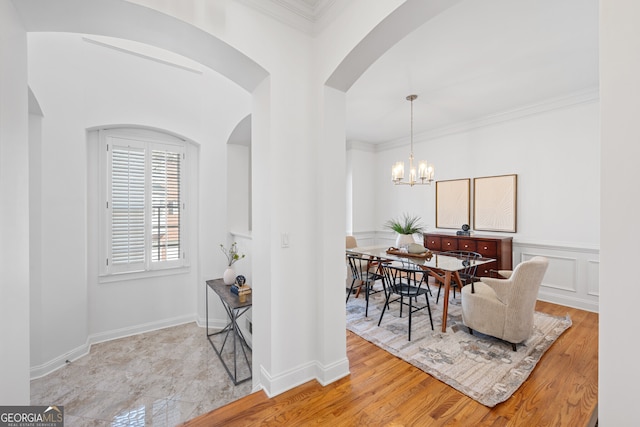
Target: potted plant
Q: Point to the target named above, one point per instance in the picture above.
(406, 227)
(232, 255)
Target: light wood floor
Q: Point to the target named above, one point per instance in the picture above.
(383, 390)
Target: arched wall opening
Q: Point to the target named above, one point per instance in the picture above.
(160, 30)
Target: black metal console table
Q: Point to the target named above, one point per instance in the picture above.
(235, 308)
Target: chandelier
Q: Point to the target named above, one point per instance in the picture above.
(424, 174)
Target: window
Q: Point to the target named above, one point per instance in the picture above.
(143, 221)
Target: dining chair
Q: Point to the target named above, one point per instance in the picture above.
(407, 284)
(467, 275)
(500, 274)
(365, 271)
(504, 308)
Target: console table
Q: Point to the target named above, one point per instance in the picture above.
(496, 247)
(236, 347)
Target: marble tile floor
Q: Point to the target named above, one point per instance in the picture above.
(158, 378)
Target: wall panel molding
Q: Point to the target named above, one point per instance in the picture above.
(572, 277)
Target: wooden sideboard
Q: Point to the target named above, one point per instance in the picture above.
(498, 248)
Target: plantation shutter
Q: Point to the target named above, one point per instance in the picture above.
(165, 206)
(128, 207)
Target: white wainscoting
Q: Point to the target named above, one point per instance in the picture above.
(571, 280)
(573, 275)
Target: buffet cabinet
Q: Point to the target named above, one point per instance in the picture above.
(498, 248)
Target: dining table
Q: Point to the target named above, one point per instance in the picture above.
(443, 267)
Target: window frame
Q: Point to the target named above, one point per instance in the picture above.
(148, 140)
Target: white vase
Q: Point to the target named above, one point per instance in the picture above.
(404, 240)
(229, 276)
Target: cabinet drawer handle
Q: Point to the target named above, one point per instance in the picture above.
(448, 244)
(485, 248)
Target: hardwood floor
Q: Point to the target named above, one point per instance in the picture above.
(383, 390)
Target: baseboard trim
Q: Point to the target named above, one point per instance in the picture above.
(333, 372)
(274, 385)
(578, 303)
(60, 361)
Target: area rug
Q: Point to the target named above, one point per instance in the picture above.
(484, 368)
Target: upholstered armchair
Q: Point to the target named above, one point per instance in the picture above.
(504, 308)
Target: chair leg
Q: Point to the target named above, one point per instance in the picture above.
(426, 282)
(410, 311)
(513, 346)
(470, 330)
(384, 307)
(429, 310)
(353, 282)
(366, 295)
(438, 296)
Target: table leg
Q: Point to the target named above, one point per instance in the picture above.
(238, 338)
(445, 302)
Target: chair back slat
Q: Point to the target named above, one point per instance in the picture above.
(361, 266)
(467, 257)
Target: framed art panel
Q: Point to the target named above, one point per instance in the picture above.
(494, 207)
(452, 203)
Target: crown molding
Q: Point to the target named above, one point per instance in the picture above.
(576, 98)
(361, 146)
(308, 16)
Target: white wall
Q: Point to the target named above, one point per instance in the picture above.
(14, 210)
(618, 372)
(283, 199)
(556, 155)
(238, 187)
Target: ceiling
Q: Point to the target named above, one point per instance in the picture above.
(477, 62)
(478, 59)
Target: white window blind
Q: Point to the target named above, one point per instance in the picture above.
(127, 206)
(165, 196)
(144, 220)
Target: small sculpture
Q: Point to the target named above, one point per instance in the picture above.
(465, 231)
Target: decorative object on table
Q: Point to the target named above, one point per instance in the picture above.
(229, 276)
(232, 255)
(465, 231)
(240, 280)
(482, 367)
(416, 248)
(241, 290)
(406, 227)
(427, 254)
(453, 201)
(494, 203)
(424, 175)
(238, 290)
